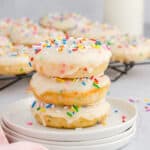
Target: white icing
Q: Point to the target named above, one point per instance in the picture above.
(63, 21)
(94, 30)
(129, 48)
(90, 112)
(43, 84)
(16, 55)
(68, 60)
(28, 34)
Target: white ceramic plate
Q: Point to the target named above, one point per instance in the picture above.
(18, 114)
(82, 143)
(107, 146)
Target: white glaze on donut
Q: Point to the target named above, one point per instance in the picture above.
(129, 48)
(89, 112)
(63, 21)
(70, 55)
(43, 84)
(28, 33)
(94, 30)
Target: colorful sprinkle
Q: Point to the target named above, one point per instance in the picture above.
(30, 64)
(98, 43)
(38, 108)
(29, 123)
(69, 114)
(33, 104)
(21, 70)
(96, 85)
(83, 83)
(116, 111)
(131, 100)
(75, 108)
(60, 80)
(42, 109)
(49, 105)
(123, 118)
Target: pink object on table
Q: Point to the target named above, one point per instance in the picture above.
(22, 146)
(4, 145)
(3, 139)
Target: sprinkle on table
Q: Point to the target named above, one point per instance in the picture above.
(123, 118)
(29, 123)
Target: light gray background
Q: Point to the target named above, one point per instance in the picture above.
(37, 8)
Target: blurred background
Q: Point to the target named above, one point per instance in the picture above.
(37, 8)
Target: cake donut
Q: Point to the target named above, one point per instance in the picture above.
(126, 48)
(28, 34)
(51, 115)
(63, 21)
(5, 25)
(94, 30)
(69, 91)
(5, 45)
(15, 61)
(71, 58)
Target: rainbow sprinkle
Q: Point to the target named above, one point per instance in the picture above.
(33, 104)
(96, 85)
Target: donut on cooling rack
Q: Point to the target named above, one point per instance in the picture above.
(63, 21)
(15, 60)
(70, 116)
(71, 58)
(69, 91)
(27, 33)
(126, 48)
(94, 30)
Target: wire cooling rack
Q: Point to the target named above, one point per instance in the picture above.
(6, 81)
(116, 69)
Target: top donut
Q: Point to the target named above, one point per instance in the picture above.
(71, 58)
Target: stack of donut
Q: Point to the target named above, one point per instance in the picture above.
(70, 85)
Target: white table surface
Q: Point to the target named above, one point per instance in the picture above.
(134, 85)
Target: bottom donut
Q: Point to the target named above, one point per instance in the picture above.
(68, 117)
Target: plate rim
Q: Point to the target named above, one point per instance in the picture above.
(44, 141)
(57, 136)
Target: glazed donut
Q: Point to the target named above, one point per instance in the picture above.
(71, 58)
(28, 34)
(95, 31)
(63, 21)
(126, 48)
(70, 117)
(69, 91)
(15, 61)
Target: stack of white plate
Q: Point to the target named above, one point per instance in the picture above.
(19, 125)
